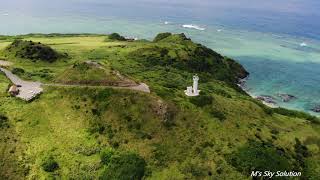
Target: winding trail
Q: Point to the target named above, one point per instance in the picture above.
(29, 90)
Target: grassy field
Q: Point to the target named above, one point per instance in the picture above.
(87, 132)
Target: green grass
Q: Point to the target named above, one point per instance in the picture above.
(86, 73)
(206, 137)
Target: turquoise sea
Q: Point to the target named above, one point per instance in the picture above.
(278, 41)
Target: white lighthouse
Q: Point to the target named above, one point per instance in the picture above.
(193, 90)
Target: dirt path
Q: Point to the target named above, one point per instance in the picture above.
(141, 87)
(27, 90)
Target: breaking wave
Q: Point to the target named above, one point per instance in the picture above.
(191, 26)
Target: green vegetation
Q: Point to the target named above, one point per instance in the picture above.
(49, 164)
(3, 120)
(91, 73)
(32, 50)
(123, 166)
(116, 37)
(97, 132)
(106, 156)
(298, 114)
(258, 156)
(202, 100)
(161, 36)
(179, 52)
(18, 71)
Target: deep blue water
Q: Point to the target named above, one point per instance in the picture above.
(278, 41)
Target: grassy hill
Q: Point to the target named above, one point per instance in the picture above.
(92, 73)
(97, 132)
(32, 50)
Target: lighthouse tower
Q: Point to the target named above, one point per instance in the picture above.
(195, 85)
(193, 90)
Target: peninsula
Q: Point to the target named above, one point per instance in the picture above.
(108, 107)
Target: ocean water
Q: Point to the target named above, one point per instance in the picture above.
(278, 41)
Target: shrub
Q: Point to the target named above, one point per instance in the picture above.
(124, 166)
(49, 164)
(202, 100)
(218, 114)
(106, 155)
(117, 37)
(18, 71)
(3, 120)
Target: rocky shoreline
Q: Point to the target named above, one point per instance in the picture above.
(316, 109)
(271, 101)
(265, 99)
(287, 97)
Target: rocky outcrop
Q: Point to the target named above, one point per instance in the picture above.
(287, 97)
(267, 99)
(316, 109)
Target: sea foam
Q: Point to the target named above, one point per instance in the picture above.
(191, 26)
(303, 44)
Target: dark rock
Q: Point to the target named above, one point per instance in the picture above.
(316, 109)
(267, 99)
(287, 97)
(242, 83)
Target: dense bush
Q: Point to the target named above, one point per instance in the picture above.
(32, 50)
(257, 156)
(18, 71)
(116, 37)
(124, 166)
(49, 164)
(202, 100)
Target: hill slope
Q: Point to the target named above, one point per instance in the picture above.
(87, 133)
(93, 73)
